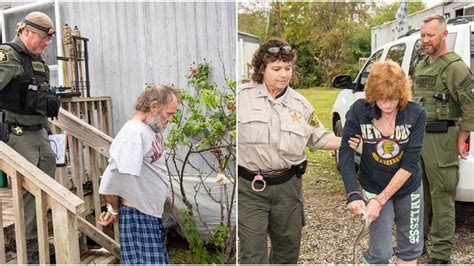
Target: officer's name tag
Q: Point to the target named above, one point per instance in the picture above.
(38, 66)
(33, 87)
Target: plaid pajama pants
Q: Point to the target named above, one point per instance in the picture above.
(142, 238)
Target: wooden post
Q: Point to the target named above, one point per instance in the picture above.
(103, 123)
(3, 257)
(75, 170)
(65, 235)
(98, 236)
(20, 232)
(62, 176)
(116, 232)
(42, 223)
(108, 120)
(95, 185)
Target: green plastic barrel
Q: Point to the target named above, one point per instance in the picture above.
(3, 179)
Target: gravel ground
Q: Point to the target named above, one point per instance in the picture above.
(330, 230)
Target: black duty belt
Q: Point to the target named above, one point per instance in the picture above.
(439, 126)
(280, 178)
(13, 127)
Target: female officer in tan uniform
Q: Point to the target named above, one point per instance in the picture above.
(275, 124)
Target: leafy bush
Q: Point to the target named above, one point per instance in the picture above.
(204, 127)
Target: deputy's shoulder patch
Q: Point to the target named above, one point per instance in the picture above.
(313, 120)
(3, 57)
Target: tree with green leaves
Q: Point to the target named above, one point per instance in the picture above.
(204, 129)
(387, 12)
(330, 37)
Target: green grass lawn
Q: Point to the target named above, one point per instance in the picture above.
(322, 100)
(321, 163)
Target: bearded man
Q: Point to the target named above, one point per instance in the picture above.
(135, 183)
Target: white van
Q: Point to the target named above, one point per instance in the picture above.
(407, 52)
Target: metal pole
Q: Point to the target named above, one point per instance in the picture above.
(86, 61)
(76, 70)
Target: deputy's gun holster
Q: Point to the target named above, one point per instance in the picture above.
(301, 169)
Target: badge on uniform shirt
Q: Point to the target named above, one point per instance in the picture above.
(295, 116)
(3, 57)
(313, 119)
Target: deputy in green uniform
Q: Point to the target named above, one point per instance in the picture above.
(444, 85)
(275, 124)
(24, 84)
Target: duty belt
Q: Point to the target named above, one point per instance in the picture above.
(279, 177)
(439, 126)
(18, 129)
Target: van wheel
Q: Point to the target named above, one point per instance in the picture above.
(337, 132)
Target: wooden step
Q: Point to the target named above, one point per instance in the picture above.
(98, 256)
(91, 257)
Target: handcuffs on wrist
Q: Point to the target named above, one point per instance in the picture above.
(111, 210)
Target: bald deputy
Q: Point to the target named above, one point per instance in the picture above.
(24, 84)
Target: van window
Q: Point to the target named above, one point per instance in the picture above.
(396, 53)
(365, 72)
(416, 57)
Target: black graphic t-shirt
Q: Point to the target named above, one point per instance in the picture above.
(382, 156)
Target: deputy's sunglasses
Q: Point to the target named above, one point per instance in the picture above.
(275, 50)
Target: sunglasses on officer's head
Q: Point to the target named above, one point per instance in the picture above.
(276, 50)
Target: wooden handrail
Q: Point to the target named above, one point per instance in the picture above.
(12, 162)
(65, 206)
(84, 133)
(90, 135)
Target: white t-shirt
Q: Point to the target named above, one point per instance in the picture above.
(137, 170)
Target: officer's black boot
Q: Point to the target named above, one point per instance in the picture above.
(439, 261)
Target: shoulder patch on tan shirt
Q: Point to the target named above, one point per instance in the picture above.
(3, 57)
(313, 119)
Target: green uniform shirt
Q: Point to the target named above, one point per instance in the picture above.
(11, 67)
(459, 81)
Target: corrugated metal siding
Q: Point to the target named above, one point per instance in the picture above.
(136, 43)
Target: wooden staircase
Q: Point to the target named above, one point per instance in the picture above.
(66, 215)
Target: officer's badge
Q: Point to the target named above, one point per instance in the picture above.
(3, 57)
(295, 116)
(313, 120)
(18, 131)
